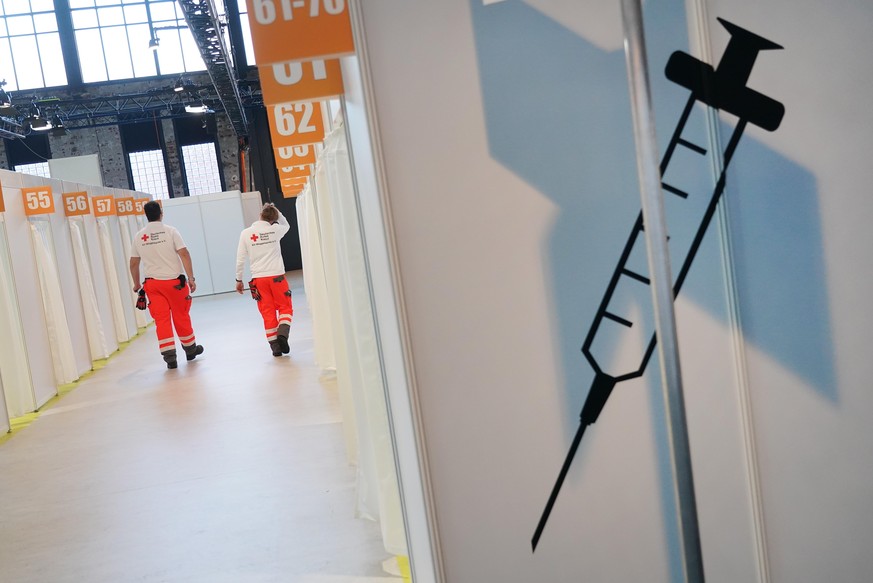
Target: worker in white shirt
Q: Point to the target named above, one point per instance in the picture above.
(260, 245)
(162, 253)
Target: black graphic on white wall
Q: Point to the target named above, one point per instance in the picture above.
(722, 88)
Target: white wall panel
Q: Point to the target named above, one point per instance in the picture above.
(222, 215)
(184, 214)
(27, 288)
(14, 364)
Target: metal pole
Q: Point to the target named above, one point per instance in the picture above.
(662, 285)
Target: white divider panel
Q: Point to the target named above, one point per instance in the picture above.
(222, 215)
(251, 207)
(18, 387)
(65, 266)
(314, 280)
(129, 227)
(82, 169)
(60, 339)
(110, 269)
(373, 429)
(4, 414)
(93, 320)
(184, 214)
(122, 269)
(322, 199)
(27, 288)
(100, 279)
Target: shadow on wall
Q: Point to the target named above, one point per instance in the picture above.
(558, 115)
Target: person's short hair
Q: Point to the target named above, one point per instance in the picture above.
(269, 213)
(152, 210)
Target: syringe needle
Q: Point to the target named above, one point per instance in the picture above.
(557, 488)
(601, 388)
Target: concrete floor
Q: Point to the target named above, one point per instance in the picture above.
(229, 469)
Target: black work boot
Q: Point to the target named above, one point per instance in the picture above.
(274, 346)
(192, 351)
(282, 338)
(170, 358)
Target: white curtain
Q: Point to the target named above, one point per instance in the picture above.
(93, 321)
(355, 336)
(126, 239)
(112, 280)
(314, 281)
(321, 199)
(63, 357)
(13, 352)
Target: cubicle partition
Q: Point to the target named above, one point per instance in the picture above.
(65, 290)
(27, 289)
(18, 392)
(210, 225)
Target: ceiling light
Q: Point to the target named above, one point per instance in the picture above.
(154, 44)
(202, 108)
(58, 127)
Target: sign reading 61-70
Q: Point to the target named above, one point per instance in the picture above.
(299, 30)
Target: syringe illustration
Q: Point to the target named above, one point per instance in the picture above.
(723, 88)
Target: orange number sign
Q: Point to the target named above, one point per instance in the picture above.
(301, 81)
(294, 124)
(299, 30)
(104, 206)
(295, 155)
(38, 200)
(76, 203)
(124, 206)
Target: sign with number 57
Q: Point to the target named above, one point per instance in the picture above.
(104, 206)
(38, 200)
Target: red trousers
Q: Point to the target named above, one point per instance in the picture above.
(170, 307)
(274, 303)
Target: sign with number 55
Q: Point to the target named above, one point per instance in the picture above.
(38, 200)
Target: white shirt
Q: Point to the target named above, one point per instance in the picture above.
(260, 243)
(157, 244)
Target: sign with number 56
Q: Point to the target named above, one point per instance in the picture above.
(38, 200)
(76, 203)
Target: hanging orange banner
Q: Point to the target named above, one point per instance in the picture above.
(301, 81)
(294, 172)
(295, 155)
(299, 30)
(294, 124)
(2, 202)
(38, 200)
(76, 204)
(104, 206)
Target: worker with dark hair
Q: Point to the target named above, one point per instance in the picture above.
(260, 245)
(163, 255)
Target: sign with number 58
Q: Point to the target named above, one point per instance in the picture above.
(38, 200)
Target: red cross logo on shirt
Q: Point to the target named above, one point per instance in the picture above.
(145, 238)
(254, 238)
